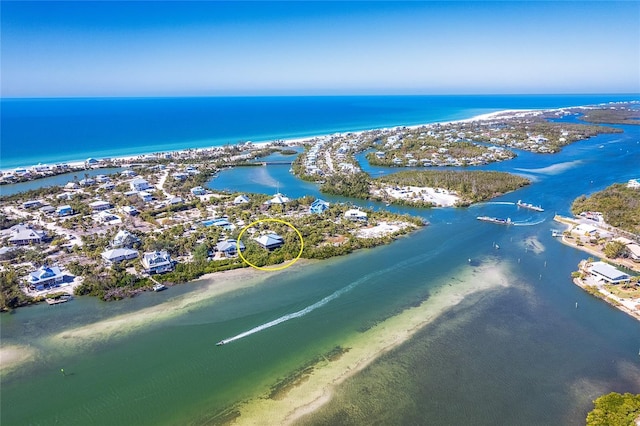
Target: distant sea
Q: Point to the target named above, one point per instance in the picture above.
(51, 131)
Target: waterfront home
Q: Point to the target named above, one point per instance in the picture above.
(90, 162)
(65, 210)
(99, 205)
(71, 185)
(198, 190)
(318, 206)
(45, 276)
(86, 182)
(356, 215)
(607, 273)
(585, 229)
(633, 184)
(23, 235)
(118, 255)
(157, 262)
(124, 238)
(270, 241)
(145, 196)
(241, 199)
(128, 173)
(139, 184)
(277, 199)
(230, 247)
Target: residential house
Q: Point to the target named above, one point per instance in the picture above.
(65, 210)
(220, 222)
(230, 247)
(99, 205)
(278, 199)
(145, 196)
(318, 206)
(118, 255)
(45, 276)
(634, 252)
(157, 262)
(23, 235)
(130, 210)
(241, 199)
(270, 241)
(198, 190)
(139, 184)
(124, 238)
(31, 204)
(356, 215)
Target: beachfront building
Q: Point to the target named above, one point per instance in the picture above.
(241, 199)
(99, 205)
(124, 238)
(23, 235)
(65, 210)
(585, 229)
(157, 262)
(45, 276)
(270, 241)
(118, 255)
(318, 206)
(230, 247)
(356, 215)
(634, 183)
(607, 273)
(139, 184)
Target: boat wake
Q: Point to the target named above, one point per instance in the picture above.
(504, 203)
(320, 303)
(526, 223)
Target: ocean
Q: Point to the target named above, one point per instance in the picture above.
(518, 353)
(51, 131)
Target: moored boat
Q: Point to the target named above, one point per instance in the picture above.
(159, 287)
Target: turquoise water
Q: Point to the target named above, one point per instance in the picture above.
(517, 355)
(111, 127)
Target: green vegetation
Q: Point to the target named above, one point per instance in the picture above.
(613, 116)
(11, 296)
(619, 205)
(471, 186)
(352, 185)
(615, 409)
(614, 249)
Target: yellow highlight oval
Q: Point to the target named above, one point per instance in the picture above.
(262, 268)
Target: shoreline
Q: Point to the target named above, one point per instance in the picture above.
(365, 348)
(13, 356)
(289, 142)
(607, 297)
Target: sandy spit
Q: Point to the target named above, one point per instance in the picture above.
(366, 347)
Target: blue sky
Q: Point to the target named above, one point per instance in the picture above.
(52, 49)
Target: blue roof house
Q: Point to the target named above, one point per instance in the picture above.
(46, 276)
(318, 206)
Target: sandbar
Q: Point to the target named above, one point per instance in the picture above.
(366, 347)
(216, 284)
(12, 356)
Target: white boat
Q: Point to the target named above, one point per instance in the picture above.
(159, 287)
(529, 206)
